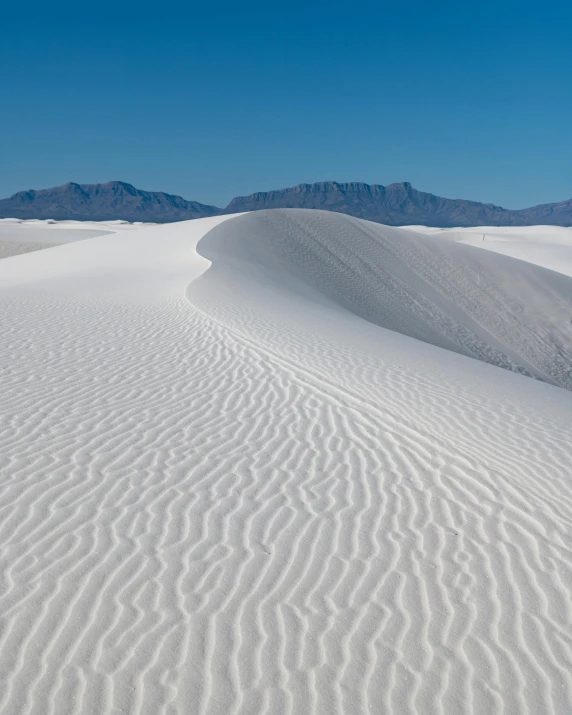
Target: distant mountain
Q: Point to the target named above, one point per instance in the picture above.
(396, 205)
(102, 202)
(559, 214)
(401, 205)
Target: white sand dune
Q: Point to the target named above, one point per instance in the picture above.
(505, 312)
(249, 466)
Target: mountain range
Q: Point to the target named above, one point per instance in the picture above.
(396, 204)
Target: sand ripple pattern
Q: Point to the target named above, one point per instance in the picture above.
(206, 511)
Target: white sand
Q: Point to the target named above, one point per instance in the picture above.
(24, 236)
(547, 246)
(229, 484)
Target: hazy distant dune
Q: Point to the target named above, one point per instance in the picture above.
(15, 248)
(24, 236)
(546, 246)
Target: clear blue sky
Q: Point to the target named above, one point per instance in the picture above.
(463, 99)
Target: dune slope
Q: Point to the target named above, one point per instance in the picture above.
(225, 488)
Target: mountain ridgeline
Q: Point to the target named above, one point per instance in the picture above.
(396, 205)
(114, 200)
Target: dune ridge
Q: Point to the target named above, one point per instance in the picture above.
(226, 489)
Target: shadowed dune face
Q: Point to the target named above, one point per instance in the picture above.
(486, 306)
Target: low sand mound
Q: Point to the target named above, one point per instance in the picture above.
(15, 248)
(18, 236)
(224, 488)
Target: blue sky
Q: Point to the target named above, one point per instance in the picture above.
(466, 100)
